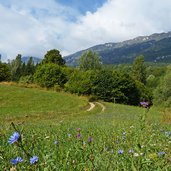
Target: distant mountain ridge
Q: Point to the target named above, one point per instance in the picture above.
(155, 48)
(36, 60)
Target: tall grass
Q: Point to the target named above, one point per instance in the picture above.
(120, 138)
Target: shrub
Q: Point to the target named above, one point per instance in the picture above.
(47, 75)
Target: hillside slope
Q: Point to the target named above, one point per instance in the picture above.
(155, 48)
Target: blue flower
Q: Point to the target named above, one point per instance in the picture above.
(34, 159)
(120, 151)
(56, 142)
(17, 160)
(14, 138)
(69, 135)
(161, 153)
(168, 133)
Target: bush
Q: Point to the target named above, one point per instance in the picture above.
(47, 75)
(5, 74)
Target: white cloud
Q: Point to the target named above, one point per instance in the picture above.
(32, 28)
(119, 20)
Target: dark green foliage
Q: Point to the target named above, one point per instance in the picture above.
(145, 94)
(115, 87)
(154, 74)
(30, 67)
(162, 94)
(47, 75)
(53, 56)
(16, 68)
(139, 69)
(19, 69)
(90, 61)
(80, 82)
(5, 74)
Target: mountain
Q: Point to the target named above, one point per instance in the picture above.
(35, 59)
(155, 48)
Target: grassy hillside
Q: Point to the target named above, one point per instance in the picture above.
(64, 136)
(23, 102)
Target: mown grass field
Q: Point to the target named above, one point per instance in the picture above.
(57, 129)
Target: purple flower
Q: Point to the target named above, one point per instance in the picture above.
(144, 104)
(161, 153)
(90, 139)
(17, 160)
(120, 151)
(34, 159)
(78, 135)
(14, 138)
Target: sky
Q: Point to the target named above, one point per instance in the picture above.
(32, 27)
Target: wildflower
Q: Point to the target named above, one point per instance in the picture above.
(144, 104)
(161, 153)
(168, 133)
(16, 161)
(131, 151)
(78, 129)
(136, 154)
(56, 142)
(14, 138)
(90, 139)
(69, 135)
(34, 159)
(78, 135)
(120, 151)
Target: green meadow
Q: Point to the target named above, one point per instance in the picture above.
(57, 128)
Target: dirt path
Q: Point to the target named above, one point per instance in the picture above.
(102, 106)
(92, 105)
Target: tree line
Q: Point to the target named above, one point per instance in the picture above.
(126, 84)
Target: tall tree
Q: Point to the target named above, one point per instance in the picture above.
(5, 74)
(53, 56)
(16, 68)
(90, 61)
(30, 68)
(139, 69)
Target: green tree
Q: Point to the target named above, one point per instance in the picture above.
(53, 56)
(5, 74)
(115, 86)
(90, 61)
(47, 75)
(16, 68)
(139, 69)
(30, 67)
(162, 94)
(80, 82)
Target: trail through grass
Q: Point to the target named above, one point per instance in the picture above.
(58, 129)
